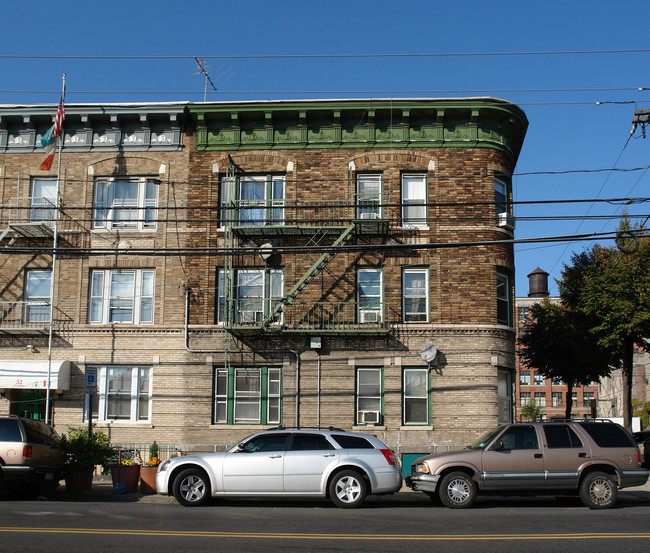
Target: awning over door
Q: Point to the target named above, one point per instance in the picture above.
(33, 375)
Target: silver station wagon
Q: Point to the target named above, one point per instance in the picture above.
(343, 466)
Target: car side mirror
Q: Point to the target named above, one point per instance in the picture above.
(498, 446)
(240, 447)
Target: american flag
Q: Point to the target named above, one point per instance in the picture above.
(58, 120)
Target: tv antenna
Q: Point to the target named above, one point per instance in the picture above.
(203, 70)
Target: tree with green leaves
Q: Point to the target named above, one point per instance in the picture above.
(612, 286)
(531, 411)
(558, 343)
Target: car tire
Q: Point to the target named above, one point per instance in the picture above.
(457, 490)
(598, 490)
(348, 489)
(192, 488)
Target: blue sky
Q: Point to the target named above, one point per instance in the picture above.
(572, 132)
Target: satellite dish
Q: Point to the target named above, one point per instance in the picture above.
(428, 352)
(266, 251)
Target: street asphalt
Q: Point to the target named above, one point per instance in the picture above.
(102, 491)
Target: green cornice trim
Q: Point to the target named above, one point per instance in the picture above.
(424, 123)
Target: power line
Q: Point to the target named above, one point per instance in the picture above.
(339, 56)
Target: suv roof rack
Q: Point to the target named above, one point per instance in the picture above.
(581, 419)
(331, 428)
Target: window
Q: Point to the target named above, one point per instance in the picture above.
(121, 296)
(369, 396)
(368, 196)
(37, 297)
(587, 398)
(124, 394)
(247, 395)
(369, 295)
(557, 399)
(524, 398)
(539, 379)
(524, 378)
(253, 200)
(42, 203)
(256, 293)
(415, 295)
(126, 203)
(520, 437)
(500, 198)
(522, 314)
(310, 442)
(607, 435)
(504, 396)
(270, 442)
(556, 381)
(503, 299)
(561, 436)
(540, 399)
(352, 442)
(414, 200)
(416, 396)
(574, 398)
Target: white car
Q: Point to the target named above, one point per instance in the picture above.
(281, 462)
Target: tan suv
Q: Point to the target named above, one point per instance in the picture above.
(30, 455)
(590, 457)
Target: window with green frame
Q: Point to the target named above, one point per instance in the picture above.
(248, 395)
(253, 200)
(415, 396)
(369, 396)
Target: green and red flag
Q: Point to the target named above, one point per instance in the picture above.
(48, 141)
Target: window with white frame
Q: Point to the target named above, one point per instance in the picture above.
(556, 399)
(124, 202)
(587, 398)
(253, 200)
(540, 399)
(540, 380)
(524, 398)
(415, 295)
(124, 394)
(369, 188)
(504, 299)
(37, 296)
(415, 408)
(414, 200)
(500, 198)
(121, 296)
(369, 395)
(369, 295)
(42, 202)
(245, 395)
(524, 378)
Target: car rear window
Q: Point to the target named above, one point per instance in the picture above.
(352, 442)
(9, 431)
(561, 436)
(607, 434)
(40, 433)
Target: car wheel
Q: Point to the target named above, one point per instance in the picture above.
(598, 490)
(192, 488)
(348, 489)
(457, 490)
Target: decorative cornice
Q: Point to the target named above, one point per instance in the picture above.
(425, 123)
(95, 127)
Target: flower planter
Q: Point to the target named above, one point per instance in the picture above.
(148, 479)
(127, 475)
(79, 479)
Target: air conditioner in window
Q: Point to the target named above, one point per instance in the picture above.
(370, 417)
(506, 220)
(369, 316)
(369, 215)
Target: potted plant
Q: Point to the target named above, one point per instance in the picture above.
(125, 475)
(149, 470)
(82, 453)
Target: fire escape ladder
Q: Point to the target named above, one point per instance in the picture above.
(311, 273)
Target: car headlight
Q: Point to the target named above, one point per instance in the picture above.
(164, 466)
(421, 467)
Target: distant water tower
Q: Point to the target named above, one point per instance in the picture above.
(538, 284)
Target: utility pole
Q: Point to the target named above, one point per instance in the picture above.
(641, 117)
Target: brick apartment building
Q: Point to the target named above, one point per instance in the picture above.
(547, 394)
(230, 267)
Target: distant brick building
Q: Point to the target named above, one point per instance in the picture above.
(547, 394)
(235, 266)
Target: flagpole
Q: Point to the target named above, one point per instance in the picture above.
(54, 247)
